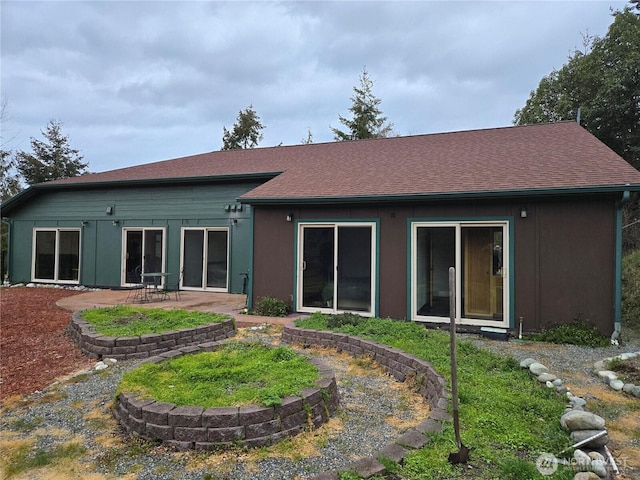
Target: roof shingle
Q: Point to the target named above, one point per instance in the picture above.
(525, 158)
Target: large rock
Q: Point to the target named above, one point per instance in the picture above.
(599, 467)
(538, 369)
(607, 376)
(527, 362)
(586, 476)
(582, 461)
(546, 377)
(581, 420)
(580, 435)
(616, 384)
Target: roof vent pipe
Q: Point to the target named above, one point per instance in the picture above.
(578, 115)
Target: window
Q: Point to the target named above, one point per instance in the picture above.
(478, 251)
(56, 255)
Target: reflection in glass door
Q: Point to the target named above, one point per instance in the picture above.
(205, 259)
(336, 267)
(477, 250)
(143, 252)
(317, 270)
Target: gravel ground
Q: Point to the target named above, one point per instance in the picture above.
(80, 409)
(569, 362)
(374, 410)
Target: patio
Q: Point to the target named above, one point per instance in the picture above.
(231, 304)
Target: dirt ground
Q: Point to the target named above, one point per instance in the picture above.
(30, 321)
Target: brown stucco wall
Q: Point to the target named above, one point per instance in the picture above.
(563, 253)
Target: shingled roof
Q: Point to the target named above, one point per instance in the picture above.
(547, 158)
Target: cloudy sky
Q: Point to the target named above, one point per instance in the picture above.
(136, 82)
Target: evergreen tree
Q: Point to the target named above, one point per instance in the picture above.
(51, 159)
(603, 82)
(367, 120)
(246, 132)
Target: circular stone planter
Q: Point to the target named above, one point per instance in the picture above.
(194, 427)
(99, 346)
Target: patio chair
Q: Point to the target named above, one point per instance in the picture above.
(136, 291)
(174, 286)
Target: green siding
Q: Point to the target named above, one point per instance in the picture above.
(171, 208)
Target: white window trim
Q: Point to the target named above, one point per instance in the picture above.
(458, 225)
(204, 259)
(56, 255)
(300, 262)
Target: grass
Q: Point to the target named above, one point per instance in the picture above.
(128, 321)
(24, 457)
(241, 373)
(506, 418)
(578, 332)
(628, 370)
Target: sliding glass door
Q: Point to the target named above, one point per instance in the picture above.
(143, 251)
(336, 265)
(205, 259)
(478, 252)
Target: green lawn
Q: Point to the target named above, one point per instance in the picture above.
(506, 418)
(241, 373)
(127, 321)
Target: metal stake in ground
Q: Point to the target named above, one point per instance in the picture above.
(462, 455)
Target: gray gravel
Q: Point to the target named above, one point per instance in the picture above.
(567, 361)
(366, 403)
(59, 413)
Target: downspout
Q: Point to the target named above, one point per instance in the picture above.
(617, 289)
(7, 222)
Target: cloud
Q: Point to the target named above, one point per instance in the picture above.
(135, 82)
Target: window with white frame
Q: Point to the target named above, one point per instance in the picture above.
(56, 255)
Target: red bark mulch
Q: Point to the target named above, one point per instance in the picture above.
(34, 349)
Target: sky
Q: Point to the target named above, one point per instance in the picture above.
(137, 82)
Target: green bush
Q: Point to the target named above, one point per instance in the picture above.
(578, 332)
(271, 307)
(631, 289)
(336, 321)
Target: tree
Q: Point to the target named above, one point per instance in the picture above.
(603, 83)
(246, 132)
(9, 181)
(51, 159)
(367, 120)
(309, 139)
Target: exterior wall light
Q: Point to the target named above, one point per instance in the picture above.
(84, 223)
(116, 223)
(289, 217)
(523, 212)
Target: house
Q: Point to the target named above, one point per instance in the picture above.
(530, 216)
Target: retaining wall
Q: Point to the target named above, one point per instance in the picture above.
(194, 427)
(99, 346)
(403, 367)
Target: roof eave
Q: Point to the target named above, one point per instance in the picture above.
(488, 194)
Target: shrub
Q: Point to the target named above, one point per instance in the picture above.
(271, 307)
(578, 332)
(337, 321)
